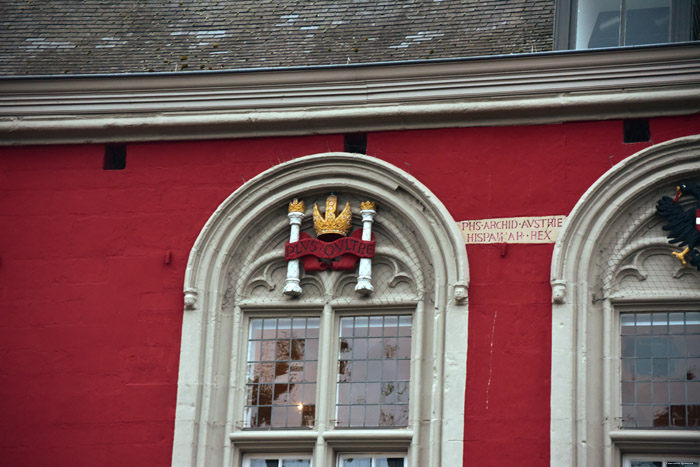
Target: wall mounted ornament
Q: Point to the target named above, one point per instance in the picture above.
(332, 248)
(683, 225)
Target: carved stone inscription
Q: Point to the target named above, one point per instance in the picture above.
(543, 229)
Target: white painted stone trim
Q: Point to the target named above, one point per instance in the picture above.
(292, 287)
(487, 91)
(364, 279)
(580, 434)
(199, 439)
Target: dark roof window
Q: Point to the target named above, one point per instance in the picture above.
(614, 23)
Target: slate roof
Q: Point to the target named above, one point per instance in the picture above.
(40, 37)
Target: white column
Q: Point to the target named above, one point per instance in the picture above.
(364, 276)
(296, 214)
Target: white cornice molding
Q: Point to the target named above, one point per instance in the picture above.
(532, 89)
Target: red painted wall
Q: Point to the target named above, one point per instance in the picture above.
(91, 315)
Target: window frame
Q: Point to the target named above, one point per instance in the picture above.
(628, 458)
(613, 385)
(323, 442)
(327, 367)
(207, 388)
(370, 455)
(248, 457)
(566, 26)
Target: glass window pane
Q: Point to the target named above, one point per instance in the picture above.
(378, 461)
(678, 417)
(643, 416)
(660, 378)
(660, 393)
(627, 345)
(659, 346)
(628, 393)
(693, 415)
(264, 463)
(374, 380)
(647, 22)
(376, 326)
(627, 416)
(660, 461)
(389, 462)
(276, 462)
(357, 462)
(661, 416)
(598, 24)
(643, 393)
(692, 323)
(692, 345)
(296, 463)
(659, 323)
(281, 373)
(692, 372)
(643, 346)
(405, 326)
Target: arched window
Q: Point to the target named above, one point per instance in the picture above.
(330, 377)
(626, 322)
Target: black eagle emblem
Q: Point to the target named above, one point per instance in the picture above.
(683, 225)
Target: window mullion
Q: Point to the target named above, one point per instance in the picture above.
(611, 378)
(417, 359)
(623, 23)
(237, 380)
(324, 387)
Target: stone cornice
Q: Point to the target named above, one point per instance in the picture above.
(504, 90)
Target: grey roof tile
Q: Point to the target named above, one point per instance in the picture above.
(89, 36)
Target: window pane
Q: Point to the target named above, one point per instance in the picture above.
(281, 373)
(264, 463)
(660, 371)
(279, 463)
(389, 462)
(647, 22)
(373, 371)
(357, 462)
(604, 28)
(598, 22)
(656, 462)
(373, 462)
(296, 463)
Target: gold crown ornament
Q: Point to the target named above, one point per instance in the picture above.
(332, 224)
(296, 206)
(368, 206)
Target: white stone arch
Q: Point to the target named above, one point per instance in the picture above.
(203, 400)
(599, 264)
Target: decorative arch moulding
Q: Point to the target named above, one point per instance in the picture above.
(408, 257)
(373, 177)
(614, 259)
(658, 167)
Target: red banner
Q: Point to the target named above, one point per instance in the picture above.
(345, 251)
(329, 250)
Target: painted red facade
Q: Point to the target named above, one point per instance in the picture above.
(92, 267)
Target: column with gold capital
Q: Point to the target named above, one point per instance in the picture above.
(368, 210)
(295, 214)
